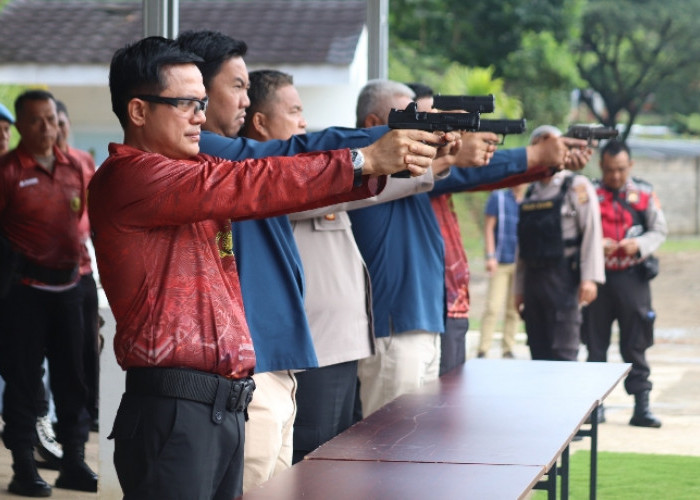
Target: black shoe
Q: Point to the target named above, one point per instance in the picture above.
(642, 416)
(481, 354)
(508, 355)
(48, 449)
(26, 480)
(74, 473)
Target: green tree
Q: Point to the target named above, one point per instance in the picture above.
(629, 49)
(542, 73)
(461, 80)
(527, 42)
(478, 33)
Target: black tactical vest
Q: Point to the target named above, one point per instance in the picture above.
(539, 227)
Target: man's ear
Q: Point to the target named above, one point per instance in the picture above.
(259, 123)
(136, 110)
(373, 120)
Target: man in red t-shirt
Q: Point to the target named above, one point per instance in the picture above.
(161, 220)
(87, 284)
(42, 194)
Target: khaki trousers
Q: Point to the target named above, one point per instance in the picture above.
(500, 295)
(268, 431)
(402, 363)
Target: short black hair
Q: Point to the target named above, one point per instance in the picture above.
(31, 95)
(61, 107)
(421, 90)
(214, 48)
(137, 68)
(614, 147)
(263, 84)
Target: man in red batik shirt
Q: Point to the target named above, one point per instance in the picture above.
(161, 219)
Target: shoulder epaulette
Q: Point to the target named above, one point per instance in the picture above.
(643, 185)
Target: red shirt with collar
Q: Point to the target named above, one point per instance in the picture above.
(162, 236)
(87, 164)
(40, 210)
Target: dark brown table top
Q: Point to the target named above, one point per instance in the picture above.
(486, 412)
(525, 377)
(360, 480)
(475, 430)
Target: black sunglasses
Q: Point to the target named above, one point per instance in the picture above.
(185, 104)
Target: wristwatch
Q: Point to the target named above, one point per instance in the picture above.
(358, 162)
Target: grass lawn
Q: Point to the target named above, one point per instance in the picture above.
(634, 476)
(680, 244)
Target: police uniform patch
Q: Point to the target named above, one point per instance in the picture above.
(581, 194)
(75, 204)
(633, 197)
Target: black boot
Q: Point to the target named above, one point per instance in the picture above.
(74, 473)
(26, 481)
(643, 417)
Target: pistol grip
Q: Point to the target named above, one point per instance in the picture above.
(404, 174)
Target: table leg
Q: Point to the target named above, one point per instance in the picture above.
(594, 453)
(565, 474)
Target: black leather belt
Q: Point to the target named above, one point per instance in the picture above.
(220, 392)
(47, 275)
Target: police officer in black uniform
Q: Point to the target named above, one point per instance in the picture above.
(560, 259)
(633, 227)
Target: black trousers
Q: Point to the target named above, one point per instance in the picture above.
(453, 344)
(625, 297)
(325, 401)
(552, 317)
(170, 448)
(37, 324)
(91, 352)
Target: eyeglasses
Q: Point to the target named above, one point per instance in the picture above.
(185, 104)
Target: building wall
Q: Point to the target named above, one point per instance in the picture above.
(677, 184)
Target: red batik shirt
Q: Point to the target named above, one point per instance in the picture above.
(162, 236)
(456, 264)
(40, 210)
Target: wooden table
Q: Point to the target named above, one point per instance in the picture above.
(487, 412)
(363, 480)
(587, 380)
(490, 429)
(447, 427)
(543, 378)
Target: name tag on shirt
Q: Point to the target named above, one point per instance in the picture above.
(28, 182)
